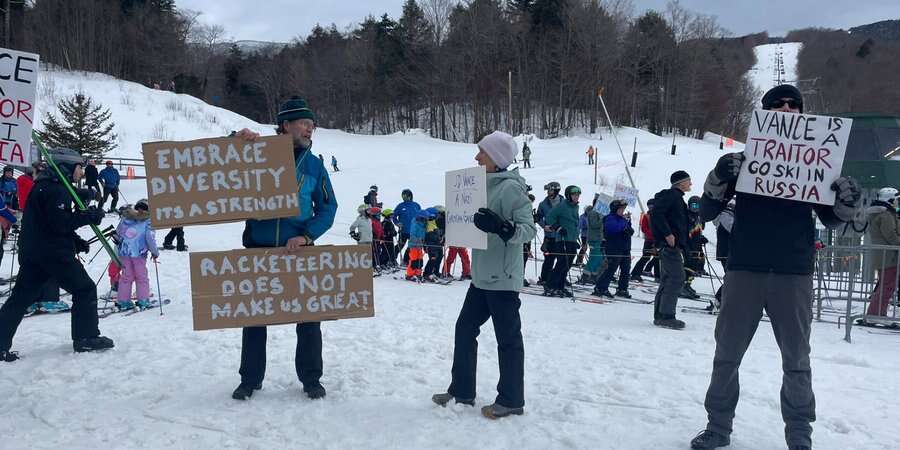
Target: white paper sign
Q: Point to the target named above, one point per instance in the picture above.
(794, 156)
(466, 192)
(18, 86)
(626, 193)
(603, 201)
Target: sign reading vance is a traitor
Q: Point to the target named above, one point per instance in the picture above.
(466, 192)
(18, 85)
(220, 180)
(271, 286)
(794, 156)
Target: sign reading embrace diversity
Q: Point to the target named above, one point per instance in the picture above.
(18, 86)
(466, 192)
(794, 156)
(220, 180)
(271, 286)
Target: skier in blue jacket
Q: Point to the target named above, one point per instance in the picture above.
(110, 178)
(617, 232)
(317, 210)
(404, 215)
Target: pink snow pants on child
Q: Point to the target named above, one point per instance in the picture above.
(134, 270)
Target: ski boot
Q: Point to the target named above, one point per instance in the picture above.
(92, 344)
(623, 294)
(124, 305)
(168, 247)
(444, 398)
(564, 293)
(182, 248)
(605, 294)
(143, 303)
(549, 292)
(637, 278)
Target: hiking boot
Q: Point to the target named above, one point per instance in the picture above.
(168, 247)
(245, 391)
(92, 344)
(496, 411)
(183, 248)
(671, 323)
(314, 391)
(708, 440)
(8, 356)
(623, 294)
(599, 293)
(444, 398)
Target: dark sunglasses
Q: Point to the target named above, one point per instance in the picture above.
(791, 102)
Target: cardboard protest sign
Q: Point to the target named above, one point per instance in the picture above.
(794, 156)
(220, 180)
(18, 86)
(272, 286)
(466, 192)
(626, 193)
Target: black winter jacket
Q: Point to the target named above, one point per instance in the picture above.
(48, 227)
(770, 234)
(669, 215)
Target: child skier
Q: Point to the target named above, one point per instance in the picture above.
(416, 247)
(361, 228)
(379, 257)
(136, 239)
(390, 232)
(434, 245)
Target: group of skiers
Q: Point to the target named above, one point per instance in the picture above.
(419, 233)
(756, 282)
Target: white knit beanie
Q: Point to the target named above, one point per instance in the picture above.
(500, 147)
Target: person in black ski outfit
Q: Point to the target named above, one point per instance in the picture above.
(176, 234)
(771, 272)
(47, 247)
(669, 224)
(90, 180)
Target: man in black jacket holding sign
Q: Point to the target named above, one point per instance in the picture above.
(47, 248)
(772, 272)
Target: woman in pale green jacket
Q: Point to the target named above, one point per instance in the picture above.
(497, 275)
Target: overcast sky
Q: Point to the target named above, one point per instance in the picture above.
(283, 20)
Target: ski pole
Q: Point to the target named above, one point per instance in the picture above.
(158, 292)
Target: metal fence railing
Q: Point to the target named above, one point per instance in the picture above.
(849, 279)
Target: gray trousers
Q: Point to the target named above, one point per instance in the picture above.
(671, 280)
(787, 299)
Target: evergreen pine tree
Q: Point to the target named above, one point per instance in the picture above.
(83, 128)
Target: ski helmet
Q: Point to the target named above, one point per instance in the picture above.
(431, 212)
(362, 208)
(551, 186)
(374, 211)
(66, 159)
(694, 204)
(388, 212)
(572, 190)
(373, 188)
(887, 194)
(440, 208)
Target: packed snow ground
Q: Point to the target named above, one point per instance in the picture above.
(597, 375)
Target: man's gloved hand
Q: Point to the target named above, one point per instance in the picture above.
(849, 198)
(82, 246)
(729, 167)
(90, 216)
(490, 222)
